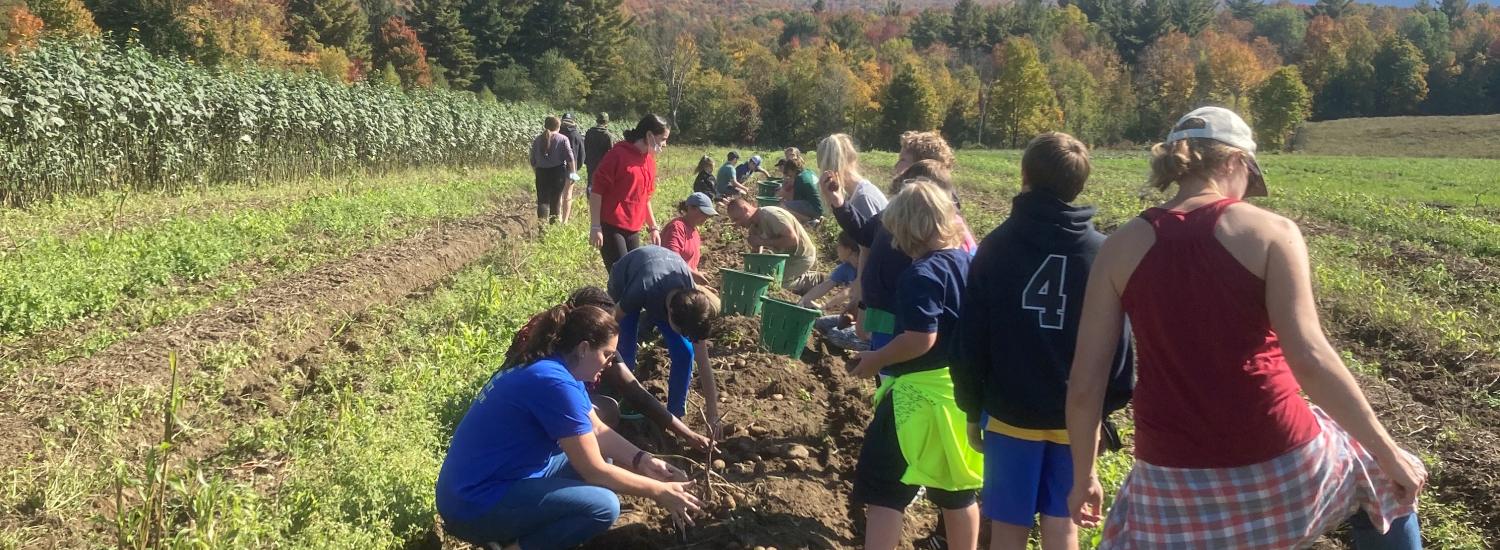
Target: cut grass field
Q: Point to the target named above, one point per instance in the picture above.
(1476, 136)
(335, 442)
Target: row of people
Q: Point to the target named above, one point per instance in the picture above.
(998, 362)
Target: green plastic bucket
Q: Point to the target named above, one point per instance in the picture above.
(767, 201)
(768, 188)
(770, 265)
(785, 327)
(742, 291)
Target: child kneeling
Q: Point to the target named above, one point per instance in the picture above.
(917, 438)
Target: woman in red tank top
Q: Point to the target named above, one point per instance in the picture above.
(1219, 295)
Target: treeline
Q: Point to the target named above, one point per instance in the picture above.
(1109, 71)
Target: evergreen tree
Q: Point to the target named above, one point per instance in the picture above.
(493, 23)
(931, 26)
(1190, 16)
(847, 30)
(1455, 10)
(1429, 33)
(1022, 103)
(333, 23)
(1333, 8)
(449, 45)
(158, 25)
(909, 104)
(1245, 9)
(397, 45)
(66, 17)
(590, 33)
(1279, 105)
(1284, 26)
(1400, 77)
(968, 29)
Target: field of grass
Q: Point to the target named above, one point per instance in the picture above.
(1476, 136)
(336, 443)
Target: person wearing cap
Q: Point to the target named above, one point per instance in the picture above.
(681, 234)
(1228, 454)
(596, 142)
(728, 181)
(575, 140)
(743, 172)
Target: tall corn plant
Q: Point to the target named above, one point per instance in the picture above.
(78, 117)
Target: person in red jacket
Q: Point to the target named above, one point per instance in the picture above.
(620, 203)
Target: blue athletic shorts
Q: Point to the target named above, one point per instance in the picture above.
(1024, 478)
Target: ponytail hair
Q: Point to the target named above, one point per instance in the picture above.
(1172, 162)
(562, 328)
(650, 123)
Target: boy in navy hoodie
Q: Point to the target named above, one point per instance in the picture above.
(1020, 321)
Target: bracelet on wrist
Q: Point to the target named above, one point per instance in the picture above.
(635, 464)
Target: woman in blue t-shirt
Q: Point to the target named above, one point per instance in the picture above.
(530, 463)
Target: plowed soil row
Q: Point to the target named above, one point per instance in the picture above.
(276, 323)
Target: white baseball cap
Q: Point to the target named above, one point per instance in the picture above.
(1222, 125)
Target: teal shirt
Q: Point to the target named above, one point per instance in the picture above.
(805, 188)
(725, 177)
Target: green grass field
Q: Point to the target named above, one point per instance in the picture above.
(335, 442)
(1475, 136)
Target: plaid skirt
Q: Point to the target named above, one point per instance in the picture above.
(1285, 502)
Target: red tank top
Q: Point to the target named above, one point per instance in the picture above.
(1213, 388)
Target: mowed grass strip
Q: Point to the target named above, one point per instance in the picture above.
(53, 280)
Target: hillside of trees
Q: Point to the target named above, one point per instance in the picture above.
(986, 74)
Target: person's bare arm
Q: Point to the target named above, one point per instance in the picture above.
(585, 455)
(596, 231)
(1314, 362)
(819, 291)
(634, 394)
(904, 347)
(1098, 337)
(653, 231)
(709, 385)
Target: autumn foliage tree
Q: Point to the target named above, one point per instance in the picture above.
(1280, 104)
(64, 17)
(398, 46)
(1022, 103)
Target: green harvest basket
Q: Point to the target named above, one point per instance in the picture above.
(767, 201)
(742, 291)
(785, 327)
(770, 265)
(768, 188)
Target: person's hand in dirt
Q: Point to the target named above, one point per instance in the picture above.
(832, 189)
(709, 386)
(679, 500)
(976, 437)
(687, 435)
(660, 470)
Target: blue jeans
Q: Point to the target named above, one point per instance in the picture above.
(554, 510)
(1405, 533)
(678, 347)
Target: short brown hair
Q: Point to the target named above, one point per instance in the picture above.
(928, 169)
(928, 145)
(692, 311)
(923, 215)
(552, 123)
(1057, 164)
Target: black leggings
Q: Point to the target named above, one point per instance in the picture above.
(549, 188)
(616, 243)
